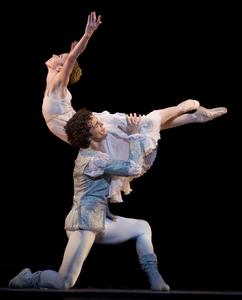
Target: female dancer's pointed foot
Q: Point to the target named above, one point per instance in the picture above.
(204, 114)
(188, 105)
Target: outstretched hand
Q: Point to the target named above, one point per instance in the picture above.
(92, 22)
(133, 122)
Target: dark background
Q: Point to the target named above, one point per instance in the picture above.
(144, 56)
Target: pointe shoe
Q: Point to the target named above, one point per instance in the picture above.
(203, 114)
(188, 105)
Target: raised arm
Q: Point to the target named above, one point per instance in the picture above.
(77, 48)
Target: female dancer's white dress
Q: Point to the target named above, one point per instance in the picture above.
(58, 111)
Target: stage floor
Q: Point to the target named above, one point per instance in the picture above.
(101, 294)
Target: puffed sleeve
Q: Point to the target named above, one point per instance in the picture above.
(101, 164)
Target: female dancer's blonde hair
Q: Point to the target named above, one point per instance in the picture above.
(75, 74)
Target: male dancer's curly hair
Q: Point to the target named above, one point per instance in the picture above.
(75, 74)
(77, 128)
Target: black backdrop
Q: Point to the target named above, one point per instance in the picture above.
(143, 57)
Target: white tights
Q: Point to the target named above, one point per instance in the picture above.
(81, 241)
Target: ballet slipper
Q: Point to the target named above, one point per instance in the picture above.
(203, 114)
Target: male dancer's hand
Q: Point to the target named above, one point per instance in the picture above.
(133, 122)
